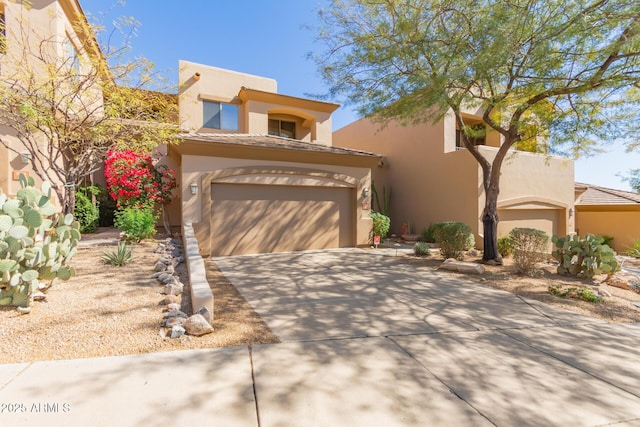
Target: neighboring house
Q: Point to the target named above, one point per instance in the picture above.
(49, 28)
(608, 212)
(433, 178)
(258, 171)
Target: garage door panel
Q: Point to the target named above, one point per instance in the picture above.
(258, 219)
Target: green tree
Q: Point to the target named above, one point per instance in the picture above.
(68, 101)
(566, 72)
(633, 178)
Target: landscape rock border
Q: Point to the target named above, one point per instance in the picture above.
(176, 323)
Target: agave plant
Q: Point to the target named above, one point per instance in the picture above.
(119, 257)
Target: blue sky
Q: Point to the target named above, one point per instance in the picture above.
(269, 38)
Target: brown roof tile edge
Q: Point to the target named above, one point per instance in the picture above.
(630, 197)
(261, 140)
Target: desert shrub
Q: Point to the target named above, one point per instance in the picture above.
(584, 257)
(529, 247)
(454, 238)
(584, 294)
(427, 234)
(606, 239)
(634, 250)
(136, 223)
(421, 249)
(381, 224)
(85, 212)
(505, 246)
(107, 207)
(382, 204)
(119, 257)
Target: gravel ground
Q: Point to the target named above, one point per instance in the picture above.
(112, 311)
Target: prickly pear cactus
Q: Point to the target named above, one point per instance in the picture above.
(36, 243)
(584, 257)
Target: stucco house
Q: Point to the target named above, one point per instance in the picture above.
(434, 179)
(261, 171)
(609, 212)
(55, 30)
(258, 171)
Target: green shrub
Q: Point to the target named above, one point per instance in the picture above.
(584, 294)
(119, 257)
(421, 249)
(107, 207)
(381, 224)
(136, 223)
(529, 247)
(427, 234)
(634, 250)
(606, 239)
(584, 257)
(454, 238)
(382, 204)
(86, 213)
(505, 246)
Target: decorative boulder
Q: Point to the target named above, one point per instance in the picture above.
(177, 331)
(461, 266)
(197, 325)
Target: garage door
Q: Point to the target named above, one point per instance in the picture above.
(547, 220)
(247, 218)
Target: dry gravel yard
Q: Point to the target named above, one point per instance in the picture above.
(109, 311)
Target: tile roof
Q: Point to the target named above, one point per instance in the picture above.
(595, 195)
(270, 141)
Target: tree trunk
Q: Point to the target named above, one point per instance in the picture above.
(490, 225)
(69, 202)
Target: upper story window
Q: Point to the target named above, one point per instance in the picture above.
(219, 115)
(478, 135)
(282, 128)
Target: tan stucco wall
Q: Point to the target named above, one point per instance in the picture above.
(11, 162)
(530, 182)
(214, 84)
(27, 26)
(311, 126)
(217, 84)
(427, 186)
(622, 222)
(433, 182)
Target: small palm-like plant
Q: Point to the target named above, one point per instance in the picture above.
(120, 257)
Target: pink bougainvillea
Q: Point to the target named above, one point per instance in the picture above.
(133, 179)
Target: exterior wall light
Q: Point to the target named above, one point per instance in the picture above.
(194, 188)
(571, 211)
(365, 192)
(25, 157)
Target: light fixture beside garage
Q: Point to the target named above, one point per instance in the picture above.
(194, 188)
(365, 192)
